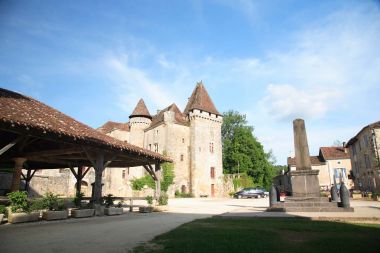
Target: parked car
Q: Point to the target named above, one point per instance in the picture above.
(251, 193)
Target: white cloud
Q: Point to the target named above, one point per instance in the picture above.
(131, 83)
(288, 102)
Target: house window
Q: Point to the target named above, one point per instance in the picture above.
(211, 147)
(181, 157)
(150, 146)
(212, 172)
(123, 174)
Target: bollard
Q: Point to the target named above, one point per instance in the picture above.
(272, 196)
(334, 193)
(344, 196)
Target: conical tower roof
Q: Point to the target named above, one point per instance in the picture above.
(200, 100)
(140, 110)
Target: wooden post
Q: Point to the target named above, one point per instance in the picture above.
(29, 176)
(79, 180)
(99, 168)
(158, 180)
(19, 163)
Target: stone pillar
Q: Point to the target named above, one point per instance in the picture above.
(334, 194)
(301, 145)
(304, 180)
(19, 162)
(272, 196)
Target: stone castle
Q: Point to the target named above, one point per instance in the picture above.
(191, 138)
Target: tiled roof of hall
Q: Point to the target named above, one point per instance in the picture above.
(140, 110)
(370, 126)
(110, 126)
(25, 114)
(332, 153)
(315, 160)
(179, 117)
(200, 100)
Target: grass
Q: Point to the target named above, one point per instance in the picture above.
(266, 235)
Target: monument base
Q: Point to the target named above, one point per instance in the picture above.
(304, 183)
(307, 204)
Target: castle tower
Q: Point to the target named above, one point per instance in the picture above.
(206, 169)
(139, 120)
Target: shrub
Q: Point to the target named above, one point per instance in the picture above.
(52, 202)
(19, 201)
(178, 194)
(149, 199)
(78, 199)
(139, 183)
(163, 199)
(36, 205)
(120, 204)
(2, 209)
(108, 200)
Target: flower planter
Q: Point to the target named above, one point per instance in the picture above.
(160, 208)
(23, 217)
(356, 195)
(145, 209)
(113, 211)
(82, 213)
(282, 197)
(55, 215)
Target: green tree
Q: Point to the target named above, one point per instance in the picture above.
(242, 152)
(167, 176)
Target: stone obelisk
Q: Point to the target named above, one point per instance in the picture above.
(304, 181)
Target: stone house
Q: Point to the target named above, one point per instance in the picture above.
(334, 166)
(192, 139)
(365, 160)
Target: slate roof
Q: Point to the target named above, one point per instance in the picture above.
(315, 160)
(29, 115)
(370, 126)
(332, 153)
(179, 117)
(200, 100)
(140, 110)
(110, 126)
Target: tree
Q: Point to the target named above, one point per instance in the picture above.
(242, 152)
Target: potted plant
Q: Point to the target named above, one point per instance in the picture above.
(162, 202)
(376, 196)
(149, 208)
(20, 209)
(81, 211)
(356, 194)
(110, 208)
(55, 207)
(2, 212)
(282, 196)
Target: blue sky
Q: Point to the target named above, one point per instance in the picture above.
(271, 60)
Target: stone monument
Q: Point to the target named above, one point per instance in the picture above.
(302, 184)
(304, 181)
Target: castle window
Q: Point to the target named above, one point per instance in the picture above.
(183, 140)
(211, 147)
(127, 170)
(181, 157)
(150, 146)
(123, 174)
(155, 147)
(200, 149)
(212, 172)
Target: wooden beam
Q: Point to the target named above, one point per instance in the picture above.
(53, 152)
(10, 145)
